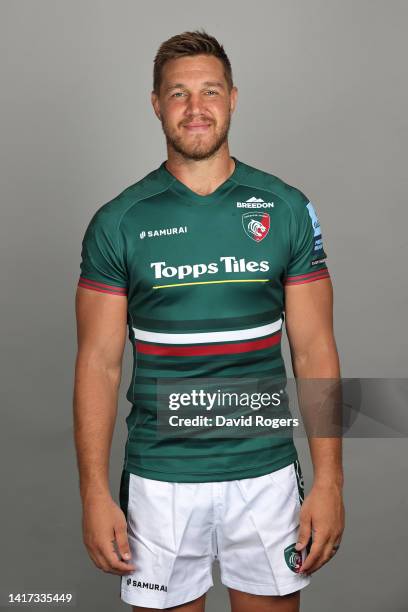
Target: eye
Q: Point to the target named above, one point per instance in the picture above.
(177, 93)
(212, 91)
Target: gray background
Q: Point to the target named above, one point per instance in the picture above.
(322, 104)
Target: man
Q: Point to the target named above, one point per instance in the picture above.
(200, 259)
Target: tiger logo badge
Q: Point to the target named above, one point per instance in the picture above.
(256, 225)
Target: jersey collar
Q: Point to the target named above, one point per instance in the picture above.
(188, 194)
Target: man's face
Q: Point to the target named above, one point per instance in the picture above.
(194, 105)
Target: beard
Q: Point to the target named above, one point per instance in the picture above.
(197, 148)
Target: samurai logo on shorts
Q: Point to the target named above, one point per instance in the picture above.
(141, 584)
(293, 558)
(256, 225)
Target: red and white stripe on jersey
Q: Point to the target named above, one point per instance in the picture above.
(307, 278)
(208, 343)
(102, 287)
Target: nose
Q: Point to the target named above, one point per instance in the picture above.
(195, 104)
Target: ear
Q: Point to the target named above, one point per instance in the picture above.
(233, 98)
(156, 105)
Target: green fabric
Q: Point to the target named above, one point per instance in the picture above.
(192, 264)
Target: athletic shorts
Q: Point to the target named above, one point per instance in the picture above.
(177, 530)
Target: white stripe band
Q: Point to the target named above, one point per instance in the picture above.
(201, 337)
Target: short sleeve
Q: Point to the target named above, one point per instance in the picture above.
(307, 260)
(103, 262)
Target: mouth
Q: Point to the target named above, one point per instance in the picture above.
(197, 127)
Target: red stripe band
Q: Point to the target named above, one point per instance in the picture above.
(306, 278)
(209, 349)
(96, 286)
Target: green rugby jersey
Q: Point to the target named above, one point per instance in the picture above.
(204, 277)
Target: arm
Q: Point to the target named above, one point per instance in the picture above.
(309, 325)
(101, 329)
(101, 333)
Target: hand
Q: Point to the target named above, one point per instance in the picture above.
(322, 513)
(104, 526)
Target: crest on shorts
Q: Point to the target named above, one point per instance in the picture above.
(256, 225)
(293, 558)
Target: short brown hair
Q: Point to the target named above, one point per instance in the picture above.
(189, 43)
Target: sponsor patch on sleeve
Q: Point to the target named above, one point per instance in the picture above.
(318, 255)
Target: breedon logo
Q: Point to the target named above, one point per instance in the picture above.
(255, 203)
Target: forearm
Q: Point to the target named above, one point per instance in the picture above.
(95, 409)
(320, 403)
(326, 454)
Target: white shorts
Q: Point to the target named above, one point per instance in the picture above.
(176, 530)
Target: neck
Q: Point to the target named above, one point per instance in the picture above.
(203, 176)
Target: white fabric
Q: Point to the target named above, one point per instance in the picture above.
(176, 531)
(200, 337)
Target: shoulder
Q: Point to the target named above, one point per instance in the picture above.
(110, 214)
(292, 196)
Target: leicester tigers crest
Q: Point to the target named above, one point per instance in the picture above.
(293, 558)
(256, 225)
